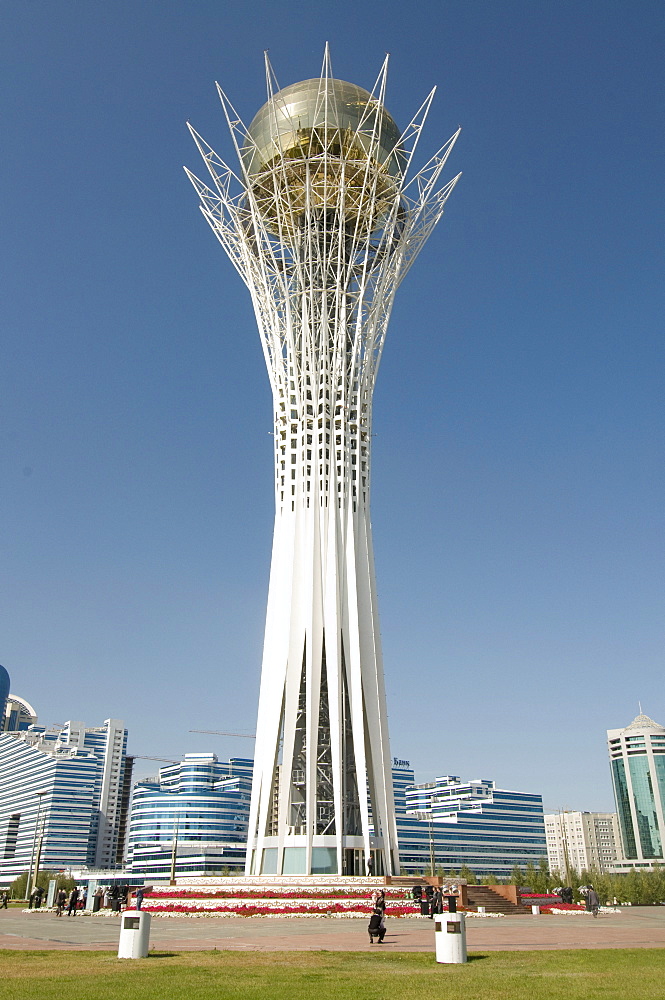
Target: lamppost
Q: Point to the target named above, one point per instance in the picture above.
(174, 852)
(28, 886)
(431, 846)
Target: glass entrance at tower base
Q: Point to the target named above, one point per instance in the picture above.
(292, 859)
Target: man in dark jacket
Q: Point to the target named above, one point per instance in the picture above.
(593, 901)
(73, 902)
(376, 927)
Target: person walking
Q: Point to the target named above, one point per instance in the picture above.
(60, 901)
(4, 903)
(593, 900)
(73, 902)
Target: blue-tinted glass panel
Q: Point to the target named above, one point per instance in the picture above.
(659, 763)
(295, 859)
(623, 807)
(324, 861)
(645, 807)
(269, 863)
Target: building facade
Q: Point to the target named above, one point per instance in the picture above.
(194, 813)
(18, 715)
(322, 227)
(61, 796)
(637, 762)
(446, 824)
(581, 841)
(4, 694)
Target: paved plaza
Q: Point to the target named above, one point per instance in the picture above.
(633, 927)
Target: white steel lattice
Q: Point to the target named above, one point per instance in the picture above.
(322, 223)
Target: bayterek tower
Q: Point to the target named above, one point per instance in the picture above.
(322, 219)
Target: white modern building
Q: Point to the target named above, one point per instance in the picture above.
(61, 797)
(446, 824)
(581, 841)
(322, 220)
(637, 761)
(192, 818)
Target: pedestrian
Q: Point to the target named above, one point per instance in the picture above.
(377, 926)
(436, 905)
(60, 901)
(379, 900)
(140, 892)
(73, 902)
(593, 902)
(370, 865)
(429, 901)
(97, 899)
(5, 900)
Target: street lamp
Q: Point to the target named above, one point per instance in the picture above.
(431, 846)
(174, 852)
(28, 886)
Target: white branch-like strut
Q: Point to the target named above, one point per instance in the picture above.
(322, 223)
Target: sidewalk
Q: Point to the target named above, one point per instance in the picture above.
(634, 927)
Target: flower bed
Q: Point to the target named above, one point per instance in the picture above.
(269, 908)
(260, 893)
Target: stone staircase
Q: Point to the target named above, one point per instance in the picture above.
(484, 895)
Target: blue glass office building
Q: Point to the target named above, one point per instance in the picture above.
(197, 809)
(637, 762)
(447, 823)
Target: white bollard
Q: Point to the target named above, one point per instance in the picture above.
(481, 909)
(134, 934)
(450, 938)
(535, 910)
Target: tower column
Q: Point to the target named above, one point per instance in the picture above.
(322, 228)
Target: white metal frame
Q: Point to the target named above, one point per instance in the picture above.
(323, 292)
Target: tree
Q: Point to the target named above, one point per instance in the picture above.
(19, 886)
(530, 876)
(470, 876)
(516, 876)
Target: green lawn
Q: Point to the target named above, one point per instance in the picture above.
(325, 975)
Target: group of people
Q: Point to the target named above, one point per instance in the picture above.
(430, 901)
(588, 893)
(71, 903)
(114, 896)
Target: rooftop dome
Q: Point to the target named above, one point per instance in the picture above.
(644, 722)
(323, 145)
(303, 119)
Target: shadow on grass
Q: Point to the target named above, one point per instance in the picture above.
(476, 958)
(162, 954)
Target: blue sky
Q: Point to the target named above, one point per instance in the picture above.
(518, 480)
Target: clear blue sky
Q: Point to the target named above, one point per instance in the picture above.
(518, 460)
